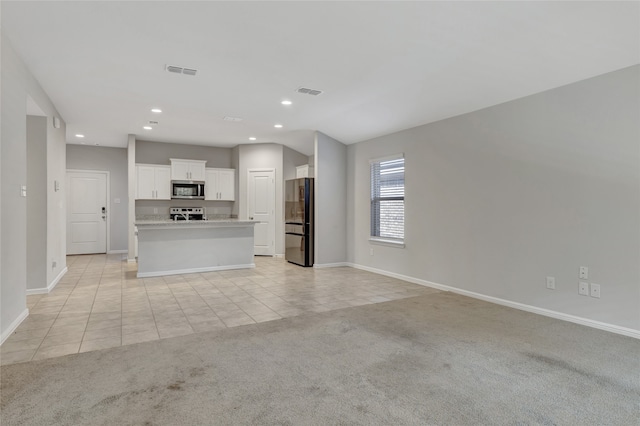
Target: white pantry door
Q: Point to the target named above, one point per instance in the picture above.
(261, 206)
(86, 212)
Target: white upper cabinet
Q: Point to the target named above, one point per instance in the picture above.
(304, 171)
(220, 184)
(153, 182)
(187, 169)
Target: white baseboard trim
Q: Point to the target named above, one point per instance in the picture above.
(51, 286)
(117, 251)
(194, 270)
(134, 260)
(12, 327)
(630, 332)
(330, 265)
(279, 256)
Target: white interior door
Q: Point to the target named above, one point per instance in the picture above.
(261, 206)
(86, 212)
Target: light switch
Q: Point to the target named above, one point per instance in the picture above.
(116, 200)
(23, 190)
(595, 290)
(584, 273)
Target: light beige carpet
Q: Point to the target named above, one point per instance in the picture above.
(435, 359)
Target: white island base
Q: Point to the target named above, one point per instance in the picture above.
(169, 248)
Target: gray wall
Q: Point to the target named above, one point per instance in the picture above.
(113, 160)
(268, 156)
(235, 164)
(330, 200)
(498, 199)
(36, 202)
(18, 83)
(290, 160)
(160, 153)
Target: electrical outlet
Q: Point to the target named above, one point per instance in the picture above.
(54, 264)
(371, 251)
(551, 283)
(583, 288)
(584, 273)
(155, 210)
(595, 290)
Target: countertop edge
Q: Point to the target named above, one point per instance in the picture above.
(195, 223)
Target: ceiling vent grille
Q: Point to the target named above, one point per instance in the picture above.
(312, 92)
(180, 70)
(228, 118)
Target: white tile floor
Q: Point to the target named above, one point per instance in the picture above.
(101, 304)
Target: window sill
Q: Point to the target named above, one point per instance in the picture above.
(385, 242)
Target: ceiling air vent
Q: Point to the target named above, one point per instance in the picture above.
(180, 70)
(228, 118)
(308, 91)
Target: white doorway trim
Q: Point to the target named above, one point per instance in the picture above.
(273, 203)
(108, 179)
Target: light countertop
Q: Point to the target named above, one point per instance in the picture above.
(195, 223)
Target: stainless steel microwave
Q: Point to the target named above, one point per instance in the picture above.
(187, 189)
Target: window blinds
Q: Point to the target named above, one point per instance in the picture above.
(387, 198)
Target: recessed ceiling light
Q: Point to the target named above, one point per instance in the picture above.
(79, 136)
(156, 110)
(252, 138)
(147, 127)
(277, 126)
(286, 102)
(97, 144)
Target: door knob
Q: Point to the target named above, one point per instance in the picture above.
(250, 217)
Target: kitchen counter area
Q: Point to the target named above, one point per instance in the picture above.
(169, 247)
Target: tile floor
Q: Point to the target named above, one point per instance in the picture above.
(100, 303)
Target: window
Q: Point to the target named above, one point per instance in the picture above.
(387, 199)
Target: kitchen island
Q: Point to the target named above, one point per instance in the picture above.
(167, 247)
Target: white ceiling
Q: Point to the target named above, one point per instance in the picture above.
(383, 66)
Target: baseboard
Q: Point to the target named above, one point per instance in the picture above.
(279, 256)
(12, 327)
(51, 286)
(117, 251)
(330, 265)
(194, 270)
(134, 260)
(630, 332)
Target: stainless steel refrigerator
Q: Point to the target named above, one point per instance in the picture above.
(298, 223)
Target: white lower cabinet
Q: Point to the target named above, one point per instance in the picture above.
(153, 182)
(220, 184)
